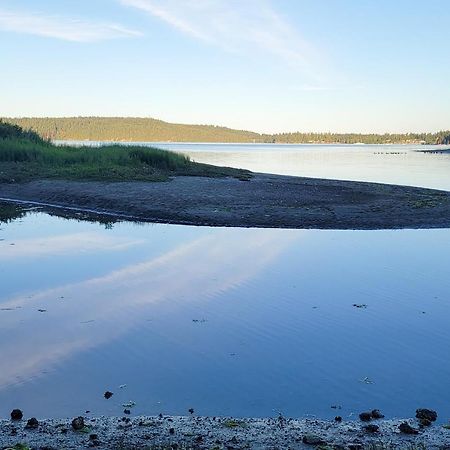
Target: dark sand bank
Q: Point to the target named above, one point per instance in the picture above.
(204, 433)
(264, 201)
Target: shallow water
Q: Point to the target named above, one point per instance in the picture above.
(393, 164)
(245, 322)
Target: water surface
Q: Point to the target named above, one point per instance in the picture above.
(245, 322)
(393, 164)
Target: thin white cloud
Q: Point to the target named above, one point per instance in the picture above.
(59, 27)
(234, 25)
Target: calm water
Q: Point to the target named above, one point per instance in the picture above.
(394, 164)
(245, 322)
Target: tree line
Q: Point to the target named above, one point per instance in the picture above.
(153, 130)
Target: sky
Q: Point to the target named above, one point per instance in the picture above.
(261, 65)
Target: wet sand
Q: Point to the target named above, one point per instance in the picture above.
(272, 201)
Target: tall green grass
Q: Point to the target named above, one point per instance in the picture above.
(17, 150)
(24, 155)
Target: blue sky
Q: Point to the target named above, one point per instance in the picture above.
(264, 65)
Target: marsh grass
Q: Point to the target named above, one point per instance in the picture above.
(25, 156)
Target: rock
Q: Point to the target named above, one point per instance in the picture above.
(406, 428)
(32, 423)
(366, 416)
(171, 430)
(191, 410)
(376, 414)
(338, 419)
(372, 428)
(425, 422)
(126, 411)
(426, 414)
(16, 414)
(108, 395)
(312, 439)
(78, 423)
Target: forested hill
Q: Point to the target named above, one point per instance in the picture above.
(130, 129)
(152, 130)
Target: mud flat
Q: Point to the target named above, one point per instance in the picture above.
(219, 433)
(262, 201)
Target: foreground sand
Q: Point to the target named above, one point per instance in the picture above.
(264, 201)
(219, 433)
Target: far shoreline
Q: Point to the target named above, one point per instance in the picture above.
(261, 201)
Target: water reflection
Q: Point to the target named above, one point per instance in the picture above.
(200, 269)
(228, 321)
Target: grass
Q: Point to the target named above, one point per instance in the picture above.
(25, 156)
(233, 423)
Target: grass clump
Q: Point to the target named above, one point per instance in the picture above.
(25, 156)
(233, 423)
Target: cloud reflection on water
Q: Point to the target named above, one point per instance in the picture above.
(63, 245)
(87, 314)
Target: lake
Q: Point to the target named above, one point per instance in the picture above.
(393, 164)
(228, 321)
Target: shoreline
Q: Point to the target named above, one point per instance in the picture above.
(192, 432)
(263, 201)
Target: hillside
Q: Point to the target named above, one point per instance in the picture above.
(152, 130)
(130, 129)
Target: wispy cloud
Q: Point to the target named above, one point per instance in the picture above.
(59, 27)
(234, 25)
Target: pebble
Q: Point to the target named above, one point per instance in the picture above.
(372, 428)
(16, 414)
(312, 439)
(406, 428)
(366, 416)
(426, 414)
(376, 414)
(78, 423)
(32, 423)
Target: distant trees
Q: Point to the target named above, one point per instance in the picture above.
(152, 130)
(13, 131)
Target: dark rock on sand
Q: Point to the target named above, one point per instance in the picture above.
(32, 423)
(312, 439)
(427, 415)
(338, 419)
(127, 411)
(406, 428)
(78, 423)
(372, 428)
(16, 414)
(425, 423)
(108, 395)
(376, 414)
(366, 416)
